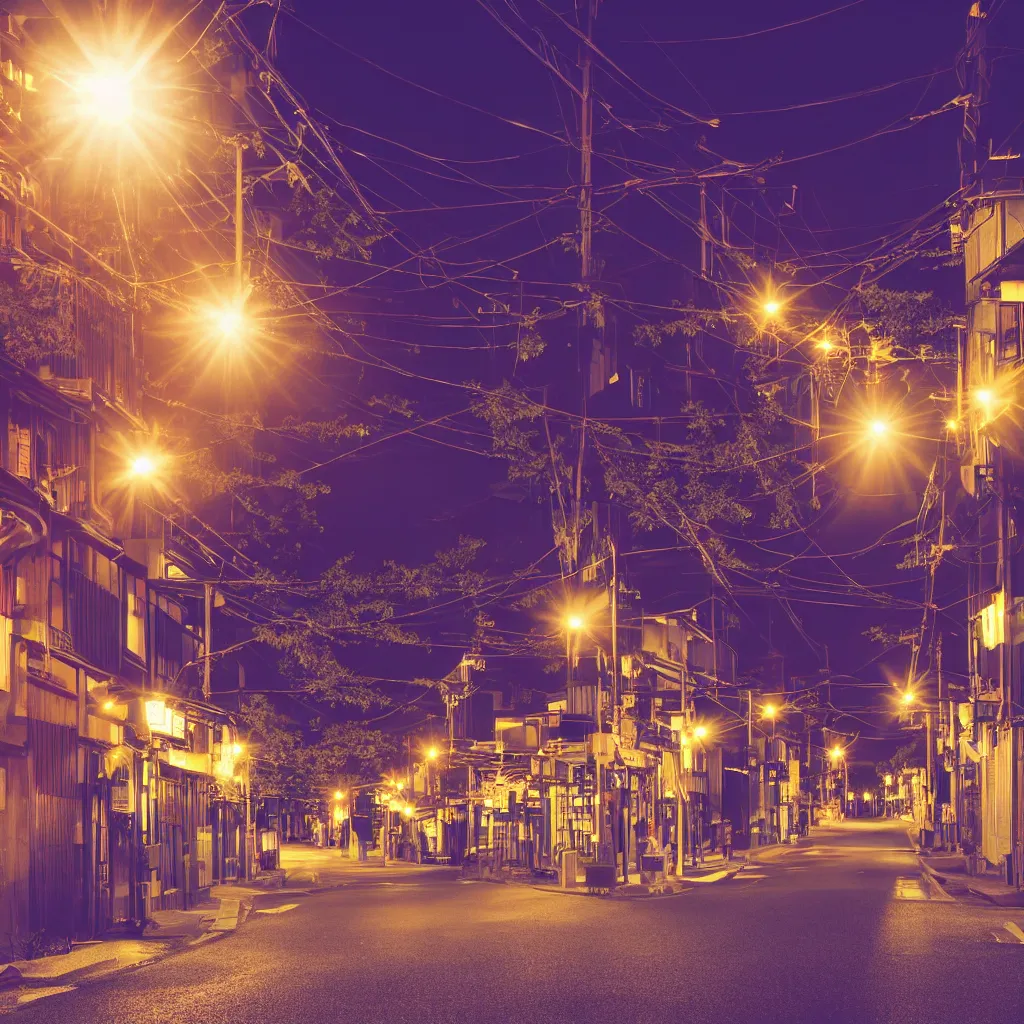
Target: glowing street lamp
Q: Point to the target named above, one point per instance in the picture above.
(229, 323)
(878, 428)
(106, 95)
(338, 794)
(986, 401)
(432, 754)
(142, 466)
(575, 623)
(700, 732)
(836, 753)
(952, 425)
(908, 697)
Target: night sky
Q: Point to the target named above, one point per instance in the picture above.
(458, 136)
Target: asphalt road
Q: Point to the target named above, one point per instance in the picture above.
(837, 931)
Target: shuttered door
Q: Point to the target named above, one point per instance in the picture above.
(53, 811)
(989, 844)
(1004, 777)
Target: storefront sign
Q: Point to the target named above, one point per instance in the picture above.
(120, 798)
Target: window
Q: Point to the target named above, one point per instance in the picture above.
(5, 653)
(19, 451)
(57, 620)
(135, 633)
(1009, 331)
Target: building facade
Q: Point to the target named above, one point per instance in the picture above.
(122, 790)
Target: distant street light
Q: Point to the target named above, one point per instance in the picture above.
(575, 623)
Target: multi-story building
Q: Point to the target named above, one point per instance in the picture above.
(121, 785)
(982, 737)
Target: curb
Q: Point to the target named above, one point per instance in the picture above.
(657, 891)
(935, 883)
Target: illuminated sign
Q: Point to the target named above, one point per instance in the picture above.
(992, 622)
(160, 718)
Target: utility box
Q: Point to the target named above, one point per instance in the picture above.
(569, 868)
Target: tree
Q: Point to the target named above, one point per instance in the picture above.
(298, 762)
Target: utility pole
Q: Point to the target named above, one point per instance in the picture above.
(239, 220)
(615, 631)
(207, 638)
(750, 722)
(586, 153)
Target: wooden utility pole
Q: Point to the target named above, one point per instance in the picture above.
(207, 638)
(239, 220)
(587, 152)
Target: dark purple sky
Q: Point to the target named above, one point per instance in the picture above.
(439, 122)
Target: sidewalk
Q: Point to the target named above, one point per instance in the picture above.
(948, 873)
(24, 981)
(166, 932)
(715, 868)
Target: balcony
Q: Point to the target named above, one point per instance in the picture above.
(94, 615)
(175, 646)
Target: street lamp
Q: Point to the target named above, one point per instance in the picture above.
(143, 466)
(700, 732)
(228, 322)
(106, 95)
(770, 711)
(575, 623)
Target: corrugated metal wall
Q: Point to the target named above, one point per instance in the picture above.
(53, 813)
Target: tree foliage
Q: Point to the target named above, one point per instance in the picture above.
(298, 763)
